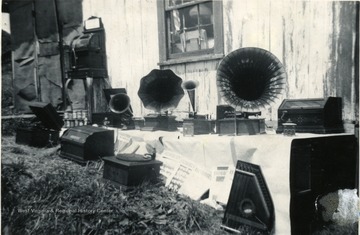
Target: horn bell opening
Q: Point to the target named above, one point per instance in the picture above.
(119, 103)
(190, 85)
(250, 78)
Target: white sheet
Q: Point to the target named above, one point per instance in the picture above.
(270, 151)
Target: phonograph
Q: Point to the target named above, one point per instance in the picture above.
(161, 92)
(319, 115)
(119, 112)
(195, 124)
(44, 132)
(249, 79)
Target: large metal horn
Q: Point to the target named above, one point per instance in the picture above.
(250, 79)
(161, 90)
(190, 86)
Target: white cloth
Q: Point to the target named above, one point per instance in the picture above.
(270, 151)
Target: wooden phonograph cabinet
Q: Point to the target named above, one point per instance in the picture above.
(312, 115)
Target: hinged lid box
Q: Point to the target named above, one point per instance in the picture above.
(45, 133)
(312, 115)
(85, 143)
(130, 173)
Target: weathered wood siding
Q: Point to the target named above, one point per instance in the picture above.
(131, 41)
(315, 40)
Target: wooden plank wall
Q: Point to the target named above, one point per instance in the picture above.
(315, 40)
(131, 42)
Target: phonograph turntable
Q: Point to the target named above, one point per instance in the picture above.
(249, 79)
(131, 169)
(161, 92)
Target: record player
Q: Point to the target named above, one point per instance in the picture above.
(119, 112)
(130, 169)
(45, 130)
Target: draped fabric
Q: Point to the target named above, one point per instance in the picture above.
(23, 45)
(37, 39)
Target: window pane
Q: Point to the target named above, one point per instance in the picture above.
(207, 37)
(176, 28)
(206, 13)
(191, 28)
(179, 2)
(174, 2)
(195, 40)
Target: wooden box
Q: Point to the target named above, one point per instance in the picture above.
(45, 132)
(139, 123)
(130, 173)
(85, 143)
(200, 126)
(243, 126)
(37, 137)
(113, 120)
(159, 123)
(319, 116)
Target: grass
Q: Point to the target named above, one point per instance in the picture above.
(45, 194)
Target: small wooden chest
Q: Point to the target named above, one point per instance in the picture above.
(159, 123)
(130, 173)
(243, 126)
(37, 137)
(44, 133)
(86, 143)
(200, 126)
(312, 115)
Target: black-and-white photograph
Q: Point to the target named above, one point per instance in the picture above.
(165, 117)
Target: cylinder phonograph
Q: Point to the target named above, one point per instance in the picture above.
(119, 112)
(195, 124)
(161, 92)
(250, 79)
(119, 104)
(190, 86)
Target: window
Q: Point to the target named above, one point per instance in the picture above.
(190, 30)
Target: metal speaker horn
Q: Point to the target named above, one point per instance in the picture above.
(120, 103)
(190, 86)
(161, 90)
(250, 79)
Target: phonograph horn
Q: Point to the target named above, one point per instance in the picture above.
(190, 86)
(250, 78)
(120, 103)
(160, 90)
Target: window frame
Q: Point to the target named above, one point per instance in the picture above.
(215, 53)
